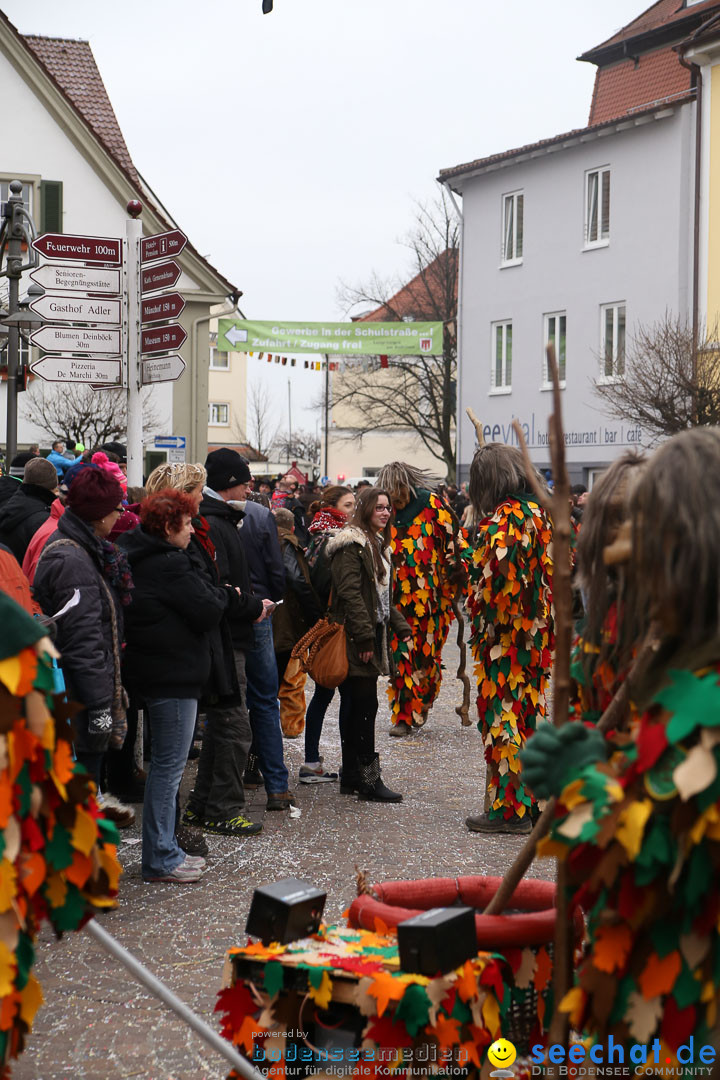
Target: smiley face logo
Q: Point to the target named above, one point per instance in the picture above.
(502, 1053)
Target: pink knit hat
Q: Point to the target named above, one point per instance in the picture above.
(112, 467)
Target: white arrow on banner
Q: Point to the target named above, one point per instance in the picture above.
(234, 335)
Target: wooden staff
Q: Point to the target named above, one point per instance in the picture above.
(477, 425)
(463, 710)
(611, 718)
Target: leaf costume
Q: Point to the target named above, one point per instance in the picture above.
(641, 838)
(510, 606)
(57, 854)
(422, 537)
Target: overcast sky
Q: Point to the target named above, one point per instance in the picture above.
(290, 147)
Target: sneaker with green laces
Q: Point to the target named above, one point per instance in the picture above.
(235, 826)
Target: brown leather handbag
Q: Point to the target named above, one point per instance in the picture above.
(322, 653)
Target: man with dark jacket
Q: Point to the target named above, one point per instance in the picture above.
(228, 477)
(29, 507)
(218, 799)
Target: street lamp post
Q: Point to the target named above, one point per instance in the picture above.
(17, 226)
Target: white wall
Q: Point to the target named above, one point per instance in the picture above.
(646, 264)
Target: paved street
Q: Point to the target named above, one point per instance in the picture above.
(98, 1024)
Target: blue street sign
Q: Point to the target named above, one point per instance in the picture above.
(170, 442)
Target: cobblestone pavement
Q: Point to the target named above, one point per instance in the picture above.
(98, 1024)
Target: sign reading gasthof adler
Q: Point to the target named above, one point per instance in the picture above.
(353, 338)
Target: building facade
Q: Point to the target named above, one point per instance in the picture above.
(580, 240)
(62, 140)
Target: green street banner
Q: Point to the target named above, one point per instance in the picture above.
(341, 338)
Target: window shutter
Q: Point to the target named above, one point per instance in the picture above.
(51, 206)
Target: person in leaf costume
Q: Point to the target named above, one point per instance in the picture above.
(427, 551)
(57, 853)
(637, 820)
(510, 607)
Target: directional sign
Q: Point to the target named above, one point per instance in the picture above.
(170, 442)
(78, 309)
(157, 308)
(162, 245)
(162, 369)
(74, 278)
(88, 249)
(162, 276)
(162, 338)
(83, 369)
(77, 339)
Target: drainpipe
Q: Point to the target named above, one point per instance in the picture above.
(194, 388)
(459, 330)
(696, 72)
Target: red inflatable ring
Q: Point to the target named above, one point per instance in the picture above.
(529, 921)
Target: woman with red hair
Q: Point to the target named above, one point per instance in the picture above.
(167, 663)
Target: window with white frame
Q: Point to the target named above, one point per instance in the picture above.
(501, 373)
(218, 414)
(513, 207)
(612, 341)
(597, 207)
(219, 361)
(555, 334)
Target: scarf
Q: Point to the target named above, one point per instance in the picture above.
(202, 531)
(280, 498)
(116, 571)
(327, 518)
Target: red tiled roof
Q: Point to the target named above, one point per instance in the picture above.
(72, 66)
(662, 15)
(425, 297)
(631, 85)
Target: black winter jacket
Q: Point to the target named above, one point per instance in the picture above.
(22, 515)
(232, 567)
(301, 608)
(167, 651)
(84, 633)
(222, 685)
(260, 542)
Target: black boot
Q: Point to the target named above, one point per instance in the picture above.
(371, 786)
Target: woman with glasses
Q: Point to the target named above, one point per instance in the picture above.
(361, 599)
(79, 567)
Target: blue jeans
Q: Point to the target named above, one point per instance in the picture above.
(172, 721)
(262, 699)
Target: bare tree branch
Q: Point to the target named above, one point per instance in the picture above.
(262, 430)
(75, 411)
(297, 446)
(668, 383)
(419, 392)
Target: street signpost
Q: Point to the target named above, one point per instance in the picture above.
(170, 442)
(162, 245)
(162, 369)
(76, 339)
(78, 309)
(88, 249)
(75, 278)
(95, 287)
(160, 276)
(162, 338)
(164, 306)
(83, 369)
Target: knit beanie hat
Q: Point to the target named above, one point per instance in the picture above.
(104, 462)
(41, 472)
(225, 469)
(93, 494)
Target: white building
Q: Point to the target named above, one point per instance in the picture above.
(575, 241)
(62, 140)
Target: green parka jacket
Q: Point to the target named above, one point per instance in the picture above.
(354, 601)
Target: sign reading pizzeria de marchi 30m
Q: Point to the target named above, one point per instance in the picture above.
(369, 338)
